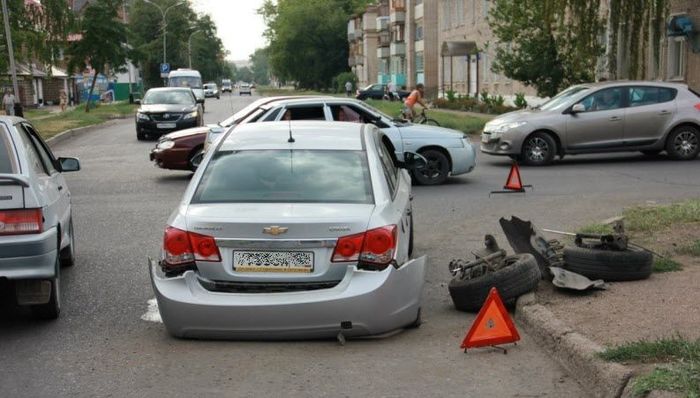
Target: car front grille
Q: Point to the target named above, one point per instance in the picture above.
(166, 117)
(264, 287)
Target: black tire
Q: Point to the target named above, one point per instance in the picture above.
(195, 158)
(67, 256)
(608, 265)
(683, 143)
(140, 136)
(52, 309)
(410, 239)
(436, 171)
(538, 149)
(520, 276)
(431, 122)
(651, 152)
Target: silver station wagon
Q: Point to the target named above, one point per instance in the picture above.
(618, 116)
(36, 226)
(292, 230)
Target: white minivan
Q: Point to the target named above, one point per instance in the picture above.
(188, 78)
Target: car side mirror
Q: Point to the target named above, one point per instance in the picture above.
(69, 164)
(577, 108)
(413, 161)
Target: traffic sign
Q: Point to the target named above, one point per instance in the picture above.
(164, 70)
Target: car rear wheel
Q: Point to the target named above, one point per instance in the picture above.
(539, 149)
(683, 143)
(68, 253)
(52, 309)
(435, 171)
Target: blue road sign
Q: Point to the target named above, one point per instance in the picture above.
(164, 70)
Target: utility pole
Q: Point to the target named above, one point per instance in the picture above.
(164, 13)
(189, 48)
(128, 64)
(10, 50)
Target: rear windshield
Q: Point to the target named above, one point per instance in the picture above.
(5, 153)
(172, 97)
(286, 176)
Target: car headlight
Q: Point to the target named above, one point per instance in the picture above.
(142, 116)
(165, 144)
(191, 115)
(502, 128)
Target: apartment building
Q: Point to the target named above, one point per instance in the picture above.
(395, 41)
(681, 51)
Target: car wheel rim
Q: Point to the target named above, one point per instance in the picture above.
(537, 149)
(433, 168)
(686, 143)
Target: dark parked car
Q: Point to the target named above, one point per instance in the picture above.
(167, 109)
(377, 91)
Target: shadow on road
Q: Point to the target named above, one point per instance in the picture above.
(590, 160)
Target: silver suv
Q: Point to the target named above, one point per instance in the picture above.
(619, 116)
(36, 228)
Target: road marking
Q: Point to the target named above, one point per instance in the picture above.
(152, 314)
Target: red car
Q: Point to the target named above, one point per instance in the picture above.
(184, 149)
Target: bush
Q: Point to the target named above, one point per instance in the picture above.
(340, 79)
(450, 96)
(492, 105)
(520, 101)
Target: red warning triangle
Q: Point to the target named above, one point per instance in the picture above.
(492, 325)
(514, 182)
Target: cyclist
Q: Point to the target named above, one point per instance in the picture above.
(416, 96)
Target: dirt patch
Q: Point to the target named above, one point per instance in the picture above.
(665, 305)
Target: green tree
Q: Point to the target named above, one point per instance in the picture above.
(308, 41)
(244, 74)
(103, 42)
(260, 66)
(548, 44)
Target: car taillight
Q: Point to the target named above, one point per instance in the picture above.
(183, 247)
(697, 106)
(20, 222)
(373, 249)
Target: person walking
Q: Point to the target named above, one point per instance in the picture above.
(63, 100)
(8, 101)
(348, 88)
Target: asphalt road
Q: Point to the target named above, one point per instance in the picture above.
(102, 347)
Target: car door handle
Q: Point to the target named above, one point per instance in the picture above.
(615, 118)
(664, 112)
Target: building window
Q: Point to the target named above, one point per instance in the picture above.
(676, 58)
(485, 8)
(419, 62)
(397, 32)
(459, 12)
(419, 31)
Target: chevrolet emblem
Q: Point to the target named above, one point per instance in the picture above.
(275, 230)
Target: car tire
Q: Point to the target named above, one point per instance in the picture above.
(140, 136)
(52, 309)
(683, 143)
(436, 171)
(538, 149)
(651, 152)
(609, 265)
(519, 276)
(410, 239)
(67, 256)
(195, 158)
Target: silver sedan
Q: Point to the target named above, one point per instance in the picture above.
(287, 231)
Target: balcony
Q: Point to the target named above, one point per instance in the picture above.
(397, 17)
(397, 48)
(418, 12)
(419, 46)
(351, 30)
(384, 39)
(359, 59)
(351, 60)
(383, 23)
(383, 52)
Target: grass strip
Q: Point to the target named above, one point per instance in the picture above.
(465, 123)
(692, 249)
(662, 265)
(683, 378)
(48, 126)
(660, 350)
(654, 218)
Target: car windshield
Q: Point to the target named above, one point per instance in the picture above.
(5, 162)
(170, 97)
(561, 100)
(286, 176)
(185, 81)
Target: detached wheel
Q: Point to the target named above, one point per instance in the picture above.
(683, 143)
(435, 171)
(539, 149)
(520, 275)
(52, 309)
(609, 265)
(196, 159)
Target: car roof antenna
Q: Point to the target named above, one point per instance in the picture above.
(291, 139)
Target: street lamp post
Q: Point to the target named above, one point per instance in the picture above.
(10, 50)
(164, 13)
(189, 47)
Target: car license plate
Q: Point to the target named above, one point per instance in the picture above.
(166, 125)
(273, 261)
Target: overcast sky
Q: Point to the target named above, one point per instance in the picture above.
(240, 27)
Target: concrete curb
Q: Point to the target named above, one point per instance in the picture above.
(576, 353)
(65, 135)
